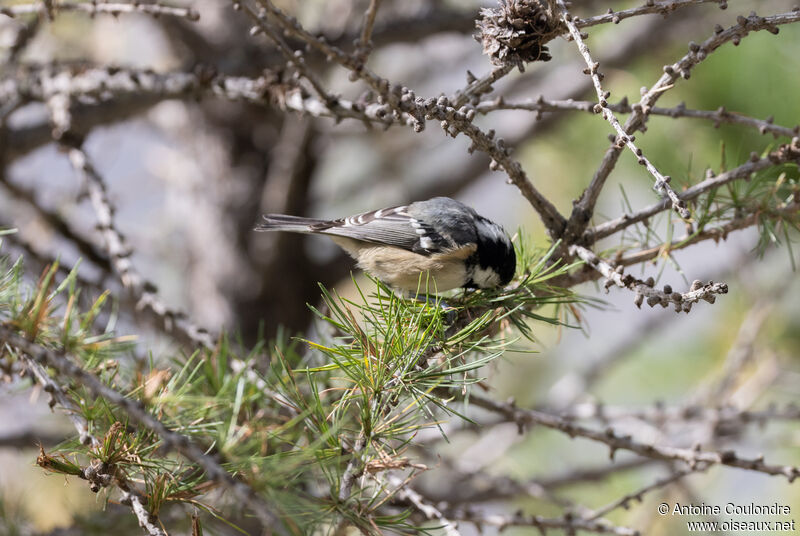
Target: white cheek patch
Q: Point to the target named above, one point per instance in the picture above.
(485, 277)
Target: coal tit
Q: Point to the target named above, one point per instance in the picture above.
(441, 237)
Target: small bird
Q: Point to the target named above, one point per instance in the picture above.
(440, 237)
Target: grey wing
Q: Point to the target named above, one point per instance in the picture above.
(392, 226)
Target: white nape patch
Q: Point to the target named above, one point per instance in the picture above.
(425, 242)
(485, 277)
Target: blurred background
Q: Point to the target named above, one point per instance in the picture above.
(189, 178)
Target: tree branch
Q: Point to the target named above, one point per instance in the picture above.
(785, 153)
(682, 68)
(94, 8)
(623, 137)
(172, 440)
(645, 289)
(616, 441)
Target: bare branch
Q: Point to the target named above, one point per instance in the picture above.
(719, 116)
(616, 441)
(624, 502)
(660, 414)
(651, 7)
(404, 492)
(479, 86)
(141, 291)
(54, 220)
(365, 41)
(644, 289)
(785, 153)
(93, 8)
(682, 68)
(294, 58)
(569, 523)
(623, 137)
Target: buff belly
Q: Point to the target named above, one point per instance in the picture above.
(406, 270)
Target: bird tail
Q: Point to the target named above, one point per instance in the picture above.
(294, 224)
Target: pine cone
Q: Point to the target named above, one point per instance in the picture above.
(515, 32)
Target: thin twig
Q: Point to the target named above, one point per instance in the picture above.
(479, 86)
(624, 502)
(94, 8)
(144, 293)
(295, 58)
(55, 221)
(719, 116)
(571, 524)
(402, 101)
(651, 7)
(365, 40)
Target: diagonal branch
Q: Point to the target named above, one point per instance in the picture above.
(624, 502)
(364, 46)
(718, 116)
(147, 520)
(143, 292)
(570, 524)
(651, 7)
(64, 365)
(682, 68)
(402, 101)
(785, 153)
(623, 137)
(616, 441)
